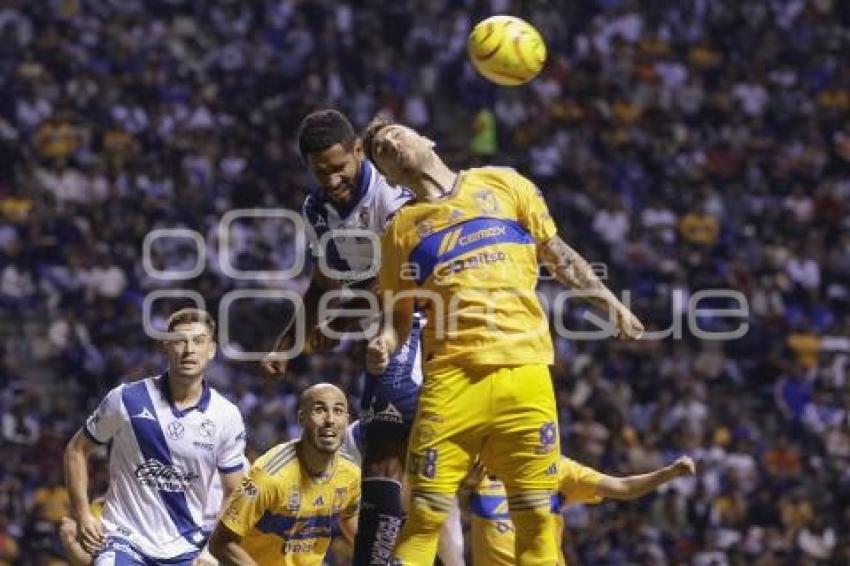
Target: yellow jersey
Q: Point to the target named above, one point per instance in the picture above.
(471, 262)
(287, 517)
(491, 529)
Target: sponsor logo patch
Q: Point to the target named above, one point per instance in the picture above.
(175, 430)
(164, 477)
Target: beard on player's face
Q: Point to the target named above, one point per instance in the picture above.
(337, 171)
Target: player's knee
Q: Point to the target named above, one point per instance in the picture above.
(390, 468)
(533, 509)
(384, 459)
(428, 511)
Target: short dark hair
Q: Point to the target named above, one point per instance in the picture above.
(322, 129)
(378, 123)
(190, 315)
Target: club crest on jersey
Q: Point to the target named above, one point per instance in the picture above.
(425, 228)
(486, 202)
(456, 216)
(339, 498)
(548, 438)
(249, 488)
(175, 430)
(363, 218)
(207, 428)
(426, 433)
(294, 501)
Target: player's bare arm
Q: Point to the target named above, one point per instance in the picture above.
(90, 530)
(348, 527)
(229, 483)
(393, 333)
(224, 545)
(633, 487)
(573, 271)
(319, 284)
(74, 551)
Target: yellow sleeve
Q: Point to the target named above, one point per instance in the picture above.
(396, 272)
(352, 506)
(532, 211)
(249, 502)
(577, 483)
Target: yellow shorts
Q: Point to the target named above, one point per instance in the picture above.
(505, 414)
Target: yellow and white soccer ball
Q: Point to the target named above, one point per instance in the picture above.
(506, 50)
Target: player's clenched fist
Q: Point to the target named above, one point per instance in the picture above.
(628, 325)
(684, 466)
(273, 365)
(378, 353)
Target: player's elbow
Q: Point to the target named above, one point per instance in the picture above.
(218, 544)
(617, 488)
(348, 526)
(223, 544)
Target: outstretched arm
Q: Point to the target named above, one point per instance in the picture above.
(633, 487)
(309, 307)
(574, 272)
(224, 545)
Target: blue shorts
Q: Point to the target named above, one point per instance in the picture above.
(389, 400)
(120, 552)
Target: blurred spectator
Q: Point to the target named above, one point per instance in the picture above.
(794, 393)
(20, 425)
(699, 227)
(483, 143)
(8, 547)
(817, 540)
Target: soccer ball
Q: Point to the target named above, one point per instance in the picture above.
(506, 50)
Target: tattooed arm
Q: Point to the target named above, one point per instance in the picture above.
(573, 271)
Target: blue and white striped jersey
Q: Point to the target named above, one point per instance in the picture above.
(375, 203)
(163, 463)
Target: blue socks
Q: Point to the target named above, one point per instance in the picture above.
(379, 523)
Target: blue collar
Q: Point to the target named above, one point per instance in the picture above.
(202, 405)
(359, 192)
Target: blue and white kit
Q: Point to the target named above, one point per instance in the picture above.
(389, 400)
(163, 468)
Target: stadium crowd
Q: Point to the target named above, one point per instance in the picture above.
(686, 146)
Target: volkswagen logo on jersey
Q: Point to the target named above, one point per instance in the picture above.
(175, 430)
(164, 477)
